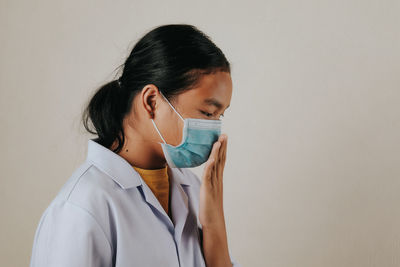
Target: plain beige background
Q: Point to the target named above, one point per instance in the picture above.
(312, 173)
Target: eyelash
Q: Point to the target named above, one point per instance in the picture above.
(209, 114)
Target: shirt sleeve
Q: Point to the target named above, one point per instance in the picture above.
(69, 235)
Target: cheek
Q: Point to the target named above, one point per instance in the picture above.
(171, 128)
(175, 131)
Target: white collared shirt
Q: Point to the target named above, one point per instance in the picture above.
(106, 215)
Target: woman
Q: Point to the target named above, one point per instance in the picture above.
(133, 202)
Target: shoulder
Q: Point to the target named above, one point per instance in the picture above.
(86, 184)
(84, 202)
(88, 189)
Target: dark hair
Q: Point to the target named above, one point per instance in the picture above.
(173, 57)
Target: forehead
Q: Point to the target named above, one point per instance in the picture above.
(215, 87)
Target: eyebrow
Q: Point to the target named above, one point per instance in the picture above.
(214, 102)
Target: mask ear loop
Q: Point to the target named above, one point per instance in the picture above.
(158, 131)
(155, 126)
(172, 106)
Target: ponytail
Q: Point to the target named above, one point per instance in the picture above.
(106, 111)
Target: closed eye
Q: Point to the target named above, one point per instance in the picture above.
(209, 114)
(206, 113)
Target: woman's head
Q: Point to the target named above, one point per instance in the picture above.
(180, 61)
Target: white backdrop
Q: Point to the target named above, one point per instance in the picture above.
(312, 172)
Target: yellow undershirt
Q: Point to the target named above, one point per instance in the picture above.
(158, 181)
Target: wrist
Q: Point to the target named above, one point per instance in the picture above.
(215, 246)
(215, 225)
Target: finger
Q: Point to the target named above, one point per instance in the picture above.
(225, 147)
(215, 150)
(214, 174)
(208, 172)
(221, 157)
(214, 155)
(222, 140)
(218, 163)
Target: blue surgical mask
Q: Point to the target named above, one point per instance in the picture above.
(198, 137)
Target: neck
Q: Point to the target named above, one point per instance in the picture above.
(140, 152)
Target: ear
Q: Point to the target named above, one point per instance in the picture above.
(148, 98)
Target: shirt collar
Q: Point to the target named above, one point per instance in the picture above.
(120, 170)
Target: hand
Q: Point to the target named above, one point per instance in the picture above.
(211, 213)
